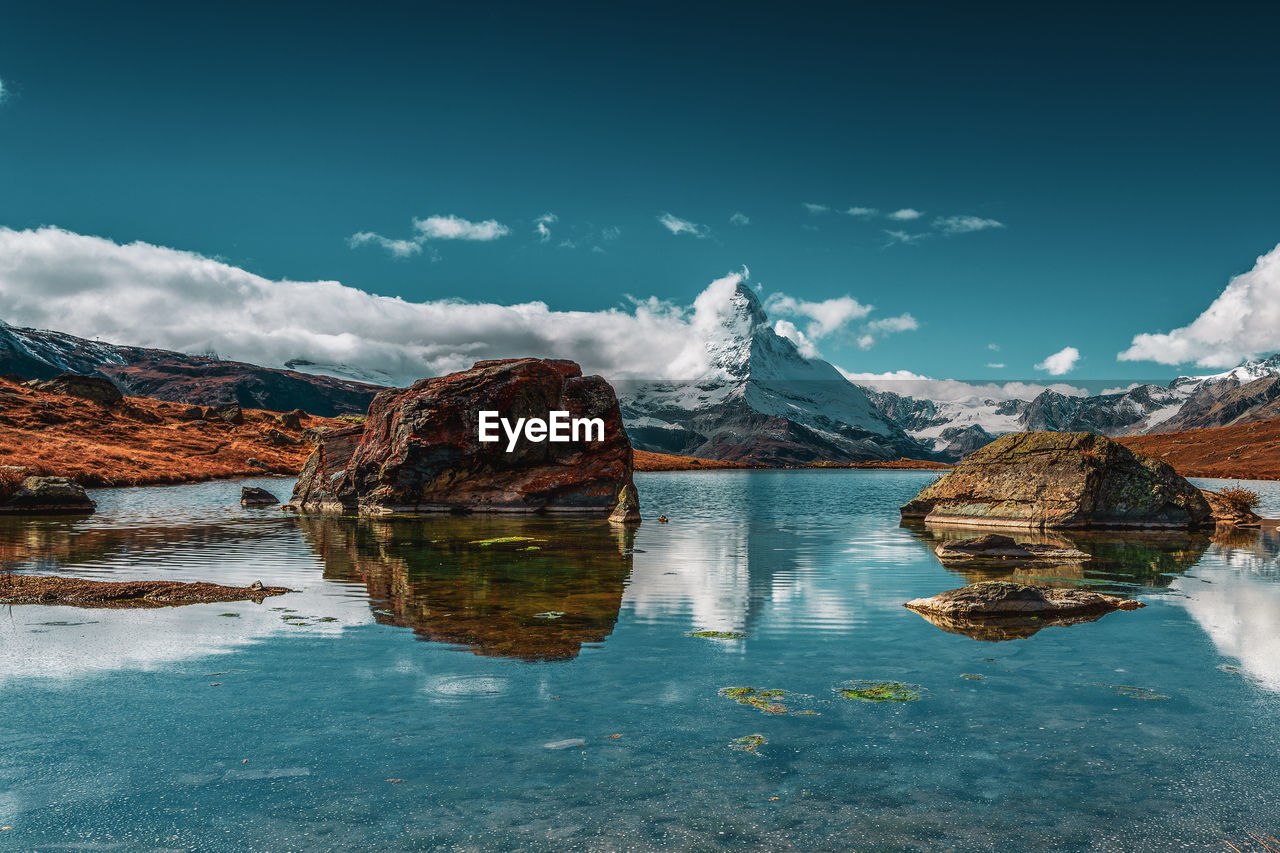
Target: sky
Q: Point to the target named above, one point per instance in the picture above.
(987, 192)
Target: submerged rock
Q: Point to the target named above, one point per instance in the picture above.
(419, 449)
(253, 496)
(79, 592)
(41, 495)
(1061, 480)
(999, 610)
(96, 388)
(993, 546)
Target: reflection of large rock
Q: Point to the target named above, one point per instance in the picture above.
(1124, 557)
(996, 548)
(419, 449)
(1061, 480)
(994, 610)
(528, 588)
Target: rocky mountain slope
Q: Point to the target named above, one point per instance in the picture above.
(760, 401)
(178, 377)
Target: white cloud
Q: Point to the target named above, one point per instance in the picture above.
(996, 365)
(1062, 361)
(456, 228)
(789, 331)
(397, 248)
(951, 390)
(740, 218)
(92, 287)
(993, 347)
(436, 228)
(678, 226)
(964, 224)
(889, 325)
(1243, 322)
(542, 226)
(825, 318)
(816, 208)
(903, 237)
(861, 212)
(3, 91)
(906, 214)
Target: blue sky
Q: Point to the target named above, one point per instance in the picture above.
(1128, 157)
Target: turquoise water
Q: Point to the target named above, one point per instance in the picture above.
(423, 691)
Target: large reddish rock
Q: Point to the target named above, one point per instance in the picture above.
(419, 449)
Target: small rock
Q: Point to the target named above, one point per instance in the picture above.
(256, 585)
(662, 519)
(99, 389)
(993, 546)
(292, 420)
(40, 495)
(228, 413)
(253, 496)
(192, 413)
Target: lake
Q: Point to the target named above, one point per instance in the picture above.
(428, 688)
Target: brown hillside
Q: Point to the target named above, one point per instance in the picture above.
(1241, 452)
(140, 441)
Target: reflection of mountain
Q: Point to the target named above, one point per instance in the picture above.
(554, 585)
(1128, 558)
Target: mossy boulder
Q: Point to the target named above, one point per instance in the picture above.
(48, 495)
(1061, 480)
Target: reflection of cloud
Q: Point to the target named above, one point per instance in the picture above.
(94, 642)
(1240, 612)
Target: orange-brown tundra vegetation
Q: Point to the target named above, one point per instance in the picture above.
(141, 441)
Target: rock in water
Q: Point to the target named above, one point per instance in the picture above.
(41, 495)
(253, 496)
(998, 610)
(419, 449)
(996, 547)
(96, 388)
(1061, 480)
(1001, 598)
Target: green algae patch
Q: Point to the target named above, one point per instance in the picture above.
(880, 691)
(504, 540)
(718, 635)
(749, 743)
(761, 700)
(1145, 694)
(972, 676)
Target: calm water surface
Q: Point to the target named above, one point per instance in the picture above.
(424, 691)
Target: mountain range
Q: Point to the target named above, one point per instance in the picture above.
(178, 377)
(758, 400)
(1244, 394)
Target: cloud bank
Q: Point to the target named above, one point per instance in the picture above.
(152, 296)
(1243, 322)
(953, 390)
